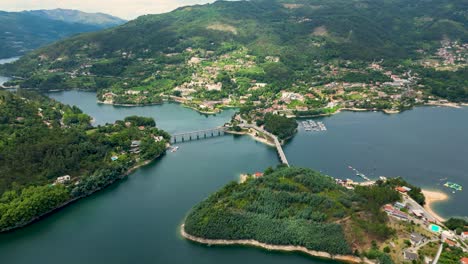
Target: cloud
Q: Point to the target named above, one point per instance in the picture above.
(127, 9)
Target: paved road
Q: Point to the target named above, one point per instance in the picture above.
(414, 205)
(436, 259)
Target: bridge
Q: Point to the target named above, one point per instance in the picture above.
(220, 131)
(199, 134)
(279, 148)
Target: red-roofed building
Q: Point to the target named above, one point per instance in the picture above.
(401, 189)
(388, 208)
(450, 242)
(464, 261)
(464, 235)
(258, 174)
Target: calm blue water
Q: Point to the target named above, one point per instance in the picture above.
(137, 219)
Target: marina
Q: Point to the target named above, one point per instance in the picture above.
(311, 125)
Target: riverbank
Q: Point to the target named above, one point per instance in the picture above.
(434, 197)
(254, 243)
(128, 105)
(75, 199)
(253, 134)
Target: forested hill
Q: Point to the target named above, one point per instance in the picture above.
(42, 140)
(351, 29)
(305, 38)
(21, 32)
(295, 206)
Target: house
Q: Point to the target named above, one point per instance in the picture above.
(418, 213)
(410, 255)
(400, 215)
(416, 238)
(449, 242)
(114, 158)
(135, 144)
(403, 189)
(62, 179)
(388, 208)
(464, 235)
(447, 235)
(258, 174)
(392, 211)
(158, 138)
(464, 261)
(400, 205)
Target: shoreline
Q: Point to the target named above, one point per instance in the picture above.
(283, 248)
(432, 197)
(75, 199)
(254, 136)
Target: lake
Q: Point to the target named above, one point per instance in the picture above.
(4, 79)
(137, 219)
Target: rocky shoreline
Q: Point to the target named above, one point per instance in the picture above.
(254, 243)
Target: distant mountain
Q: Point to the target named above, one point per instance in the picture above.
(280, 43)
(76, 16)
(21, 32)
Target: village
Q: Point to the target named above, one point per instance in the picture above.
(208, 81)
(420, 235)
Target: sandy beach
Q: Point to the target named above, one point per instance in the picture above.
(434, 197)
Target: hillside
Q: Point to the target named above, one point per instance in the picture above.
(76, 16)
(364, 54)
(295, 207)
(42, 140)
(21, 32)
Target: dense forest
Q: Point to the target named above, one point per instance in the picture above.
(152, 51)
(294, 206)
(280, 126)
(415, 192)
(41, 140)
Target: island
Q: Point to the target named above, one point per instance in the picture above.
(298, 209)
(51, 156)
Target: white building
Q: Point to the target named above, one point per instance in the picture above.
(62, 179)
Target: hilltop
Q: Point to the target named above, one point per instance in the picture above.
(297, 57)
(21, 32)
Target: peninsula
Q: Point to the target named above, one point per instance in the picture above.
(295, 209)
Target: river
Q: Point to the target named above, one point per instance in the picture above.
(137, 219)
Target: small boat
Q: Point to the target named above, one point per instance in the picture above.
(174, 149)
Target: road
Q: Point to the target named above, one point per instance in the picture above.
(436, 259)
(412, 204)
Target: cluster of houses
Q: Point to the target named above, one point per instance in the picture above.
(452, 52)
(395, 211)
(416, 240)
(135, 146)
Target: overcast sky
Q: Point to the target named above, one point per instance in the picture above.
(127, 9)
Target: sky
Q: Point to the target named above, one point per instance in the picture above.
(126, 9)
